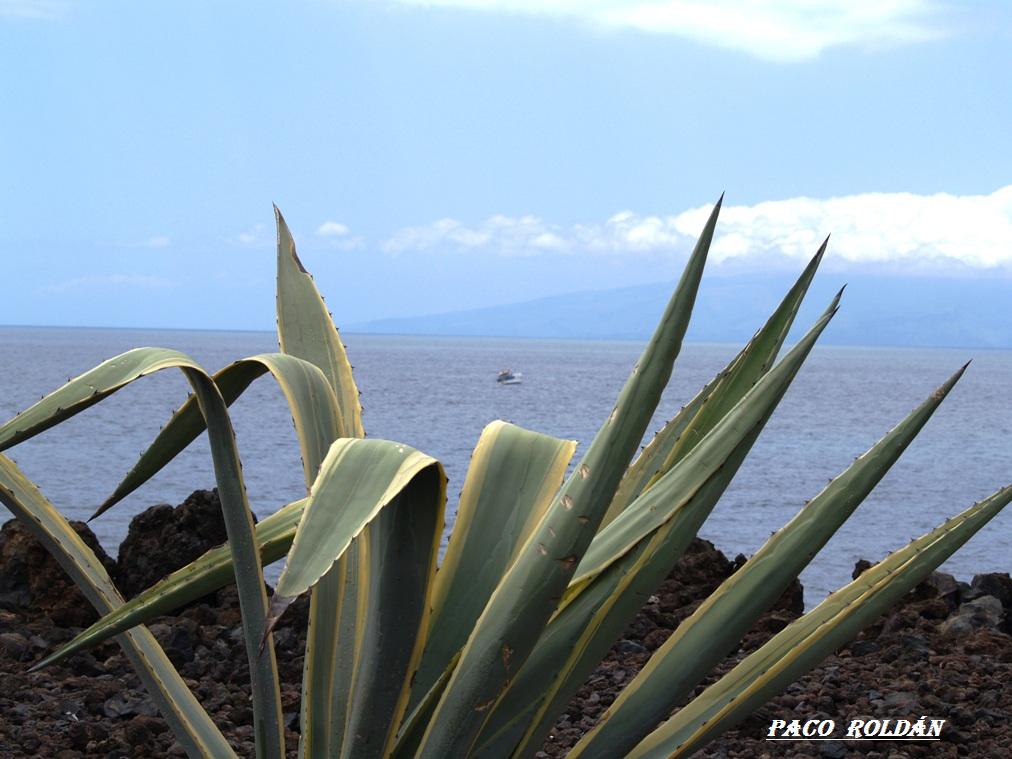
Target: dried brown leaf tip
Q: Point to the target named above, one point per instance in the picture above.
(298, 261)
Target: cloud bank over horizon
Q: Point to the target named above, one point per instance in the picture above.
(781, 30)
(904, 232)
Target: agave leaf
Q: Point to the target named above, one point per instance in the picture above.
(513, 476)
(305, 388)
(412, 727)
(800, 646)
(87, 390)
(357, 480)
(514, 617)
(671, 443)
(306, 330)
(189, 722)
(747, 370)
(634, 524)
(640, 548)
(107, 378)
(402, 492)
(652, 457)
(705, 638)
(205, 574)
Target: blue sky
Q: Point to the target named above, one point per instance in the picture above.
(449, 154)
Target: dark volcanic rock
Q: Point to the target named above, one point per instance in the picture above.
(984, 612)
(31, 578)
(997, 584)
(163, 539)
(92, 704)
(913, 661)
(903, 666)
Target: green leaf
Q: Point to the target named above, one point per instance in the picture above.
(412, 727)
(110, 376)
(749, 412)
(87, 390)
(513, 477)
(511, 624)
(206, 574)
(804, 643)
(629, 559)
(703, 640)
(357, 480)
(306, 330)
(189, 722)
(305, 388)
(399, 492)
(716, 398)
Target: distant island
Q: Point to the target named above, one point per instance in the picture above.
(877, 310)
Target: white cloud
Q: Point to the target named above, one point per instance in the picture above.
(512, 235)
(339, 236)
(38, 9)
(332, 229)
(902, 230)
(158, 241)
(256, 236)
(779, 30)
(106, 281)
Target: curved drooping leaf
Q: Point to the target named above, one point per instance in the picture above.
(114, 374)
(715, 399)
(357, 480)
(309, 395)
(805, 642)
(363, 483)
(511, 624)
(512, 479)
(189, 722)
(626, 562)
(715, 628)
(86, 390)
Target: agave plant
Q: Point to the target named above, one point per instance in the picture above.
(543, 570)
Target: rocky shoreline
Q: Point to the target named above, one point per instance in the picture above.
(945, 652)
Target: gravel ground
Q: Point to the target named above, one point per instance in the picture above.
(945, 652)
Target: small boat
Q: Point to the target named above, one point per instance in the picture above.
(509, 377)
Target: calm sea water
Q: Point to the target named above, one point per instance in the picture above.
(437, 393)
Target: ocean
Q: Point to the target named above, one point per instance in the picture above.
(437, 393)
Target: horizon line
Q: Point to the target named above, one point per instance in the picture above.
(825, 343)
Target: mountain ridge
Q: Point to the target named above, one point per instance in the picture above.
(876, 310)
